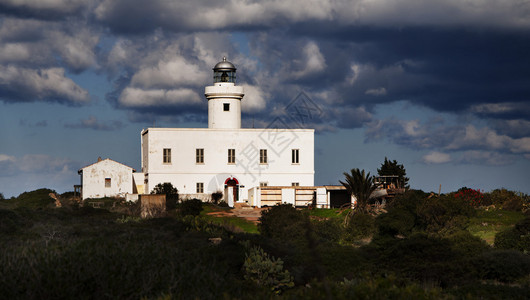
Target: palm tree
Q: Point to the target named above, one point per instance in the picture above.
(360, 185)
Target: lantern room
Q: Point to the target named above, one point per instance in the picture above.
(224, 71)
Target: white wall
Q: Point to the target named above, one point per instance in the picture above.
(93, 179)
(217, 95)
(184, 172)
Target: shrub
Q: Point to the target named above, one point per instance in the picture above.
(171, 192)
(444, 215)
(284, 223)
(502, 265)
(395, 221)
(409, 200)
(191, 207)
(359, 226)
(216, 197)
(266, 271)
(473, 198)
(465, 244)
(505, 199)
(328, 230)
(517, 237)
(35, 199)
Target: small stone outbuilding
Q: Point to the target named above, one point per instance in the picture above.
(106, 178)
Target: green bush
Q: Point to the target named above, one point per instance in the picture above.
(284, 223)
(517, 238)
(171, 192)
(36, 199)
(11, 222)
(444, 215)
(465, 244)
(327, 230)
(266, 271)
(505, 199)
(409, 200)
(502, 265)
(395, 221)
(359, 226)
(192, 207)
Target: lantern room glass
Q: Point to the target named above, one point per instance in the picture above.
(224, 76)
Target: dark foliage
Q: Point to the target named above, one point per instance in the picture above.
(502, 265)
(284, 223)
(171, 192)
(216, 197)
(192, 207)
(444, 215)
(517, 238)
(397, 221)
(37, 199)
(361, 185)
(327, 231)
(465, 244)
(359, 226)
(389, 168)
(505, 199)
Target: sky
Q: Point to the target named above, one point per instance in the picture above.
(441, 86)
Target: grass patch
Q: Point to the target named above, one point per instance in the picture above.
(228, 222)
(488, 222)
(328, 213)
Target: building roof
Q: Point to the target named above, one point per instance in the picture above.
(102, 160)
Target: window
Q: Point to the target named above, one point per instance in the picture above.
(231, 156)
(263, 184)
(200, 187)
(167, 156)
(295, 154)
(226, 106)
(107, 182)
(263, 156)
(295, 184)
(199, 156)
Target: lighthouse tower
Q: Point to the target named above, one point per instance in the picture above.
(224, 97)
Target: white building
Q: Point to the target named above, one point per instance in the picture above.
(225, 157)
(106, 178)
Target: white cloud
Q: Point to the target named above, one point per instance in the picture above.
(77, 50)
(4, 157)
(314, 61)
(436, 158)
(14, 52)
(134, 97)
(254, 99)
(43, 84)
(174, 72)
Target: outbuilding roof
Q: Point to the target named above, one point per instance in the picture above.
(102, 160)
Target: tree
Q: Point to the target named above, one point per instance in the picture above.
(171, 192)
(389, 168)
(361, 185)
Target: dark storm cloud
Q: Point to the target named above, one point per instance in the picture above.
(445, 69)
(43, 10)
(350, 57)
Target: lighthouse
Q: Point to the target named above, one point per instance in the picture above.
(239, 162)
(224, 97)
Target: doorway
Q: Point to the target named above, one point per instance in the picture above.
(234, 184)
